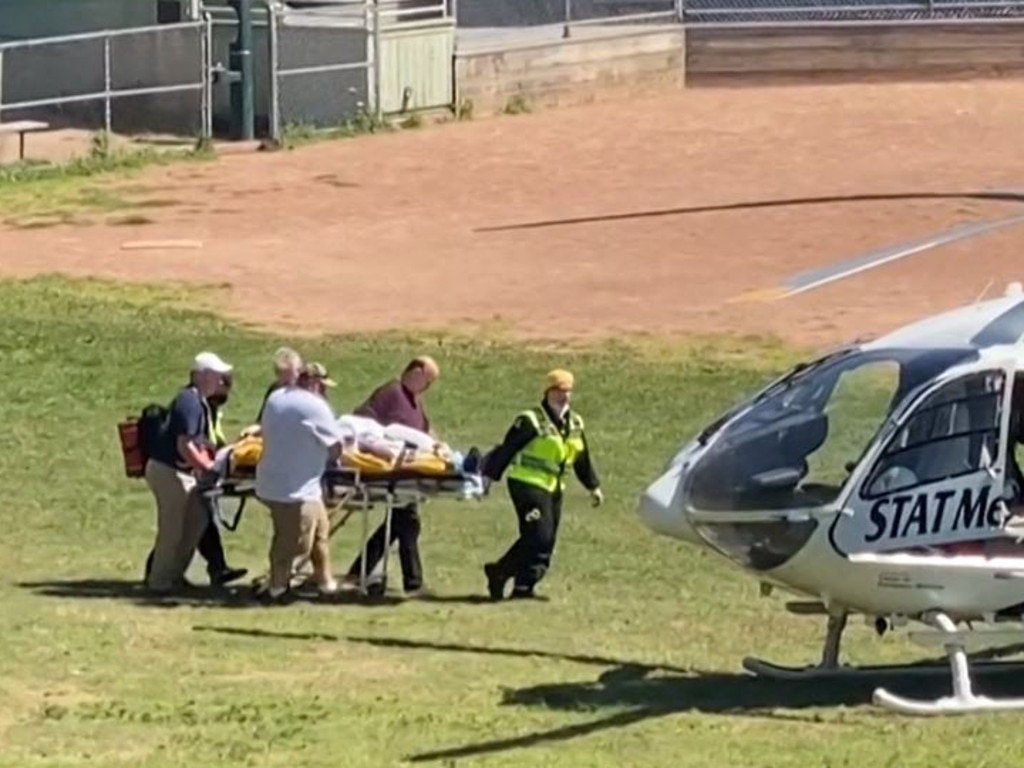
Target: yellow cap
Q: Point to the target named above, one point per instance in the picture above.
(559, 379)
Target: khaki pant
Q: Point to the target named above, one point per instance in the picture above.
(181, 520)
(300, 530)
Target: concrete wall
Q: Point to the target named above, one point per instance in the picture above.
(560, 72)
(744, 55)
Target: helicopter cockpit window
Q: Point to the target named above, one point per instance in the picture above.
(953, 432)
(793, 448)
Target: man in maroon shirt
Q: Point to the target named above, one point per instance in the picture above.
(398, 402)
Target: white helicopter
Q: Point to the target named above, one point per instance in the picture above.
(880, 480)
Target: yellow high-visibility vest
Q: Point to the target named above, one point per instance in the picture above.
(542, 462)
(215, 428)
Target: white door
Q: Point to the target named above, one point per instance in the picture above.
(939, 477)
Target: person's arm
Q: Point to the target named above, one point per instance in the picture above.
(324, 428)
(378, 406)
(516, 438)
(334, 452)
(188, 412)
(428, 428)
(584, 468)
(266, 396)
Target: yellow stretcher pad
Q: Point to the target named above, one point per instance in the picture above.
(245, 454)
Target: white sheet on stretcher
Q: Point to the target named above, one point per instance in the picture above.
(393, 438)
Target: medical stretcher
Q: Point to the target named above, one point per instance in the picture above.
(358, 484)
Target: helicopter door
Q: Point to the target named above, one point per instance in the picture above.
(938, 477)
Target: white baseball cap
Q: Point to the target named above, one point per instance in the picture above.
(208, 361)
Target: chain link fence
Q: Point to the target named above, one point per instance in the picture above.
(789, 11)
(130, 80)
(321, 63)
(529, 13)
(494, 14)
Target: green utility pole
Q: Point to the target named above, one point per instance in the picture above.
(240, 73)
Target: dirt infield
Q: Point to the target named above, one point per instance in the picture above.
(383, 231)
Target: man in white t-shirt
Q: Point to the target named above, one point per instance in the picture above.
(300, 438)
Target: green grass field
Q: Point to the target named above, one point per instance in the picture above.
(634, 661)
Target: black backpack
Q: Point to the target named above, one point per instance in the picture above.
(152, 427)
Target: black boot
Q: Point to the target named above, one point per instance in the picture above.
(495, 581)
(220, 577)
(473, 463)
(525, 593)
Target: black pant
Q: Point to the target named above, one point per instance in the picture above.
(405, 528)
(539, 513)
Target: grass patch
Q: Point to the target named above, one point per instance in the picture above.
(634, 661)
(34, 192)
(517, 105)
(294, 135)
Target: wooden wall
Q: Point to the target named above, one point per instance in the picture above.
(744, 54)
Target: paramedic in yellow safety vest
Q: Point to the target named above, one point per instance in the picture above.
(542, 444)
(211, 548)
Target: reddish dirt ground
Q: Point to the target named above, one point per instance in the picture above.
(383, 232)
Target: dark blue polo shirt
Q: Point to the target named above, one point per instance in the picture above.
(189, 416)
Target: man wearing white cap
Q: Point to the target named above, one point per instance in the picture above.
(183, 451)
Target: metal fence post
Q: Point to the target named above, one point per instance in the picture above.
(107, 121)
(272, 43)
(378, 108)
(206, 45)
(568, 18)
(680, 10)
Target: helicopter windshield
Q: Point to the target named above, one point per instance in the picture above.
(801, 437)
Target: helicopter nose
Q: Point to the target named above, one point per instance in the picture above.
(660, 511)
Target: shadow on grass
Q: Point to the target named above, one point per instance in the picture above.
(266, 633)
(640, 692)
(211, 597)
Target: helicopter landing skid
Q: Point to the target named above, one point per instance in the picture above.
(830, 668)
(763, 668)
(963, 700)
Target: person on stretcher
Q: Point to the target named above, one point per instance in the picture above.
(392, 441)
(392, 446)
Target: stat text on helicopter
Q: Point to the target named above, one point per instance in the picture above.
(962, 509)
(921, 514)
